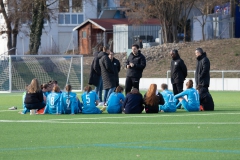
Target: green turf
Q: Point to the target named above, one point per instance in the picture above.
(180, 135)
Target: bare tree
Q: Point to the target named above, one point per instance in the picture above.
(33, 13)
(187, 7)
(11, 14)
(205, 7)
(167, 12)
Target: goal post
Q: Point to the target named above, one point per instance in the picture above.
(17, 71)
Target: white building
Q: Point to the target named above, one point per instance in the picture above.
(57, 35)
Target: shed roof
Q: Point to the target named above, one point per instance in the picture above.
(107, 24)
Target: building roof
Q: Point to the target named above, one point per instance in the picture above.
(107, 24)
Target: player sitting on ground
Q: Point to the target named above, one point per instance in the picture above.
(192, 102)
(133, 102)
(46, 90)
(170, 103)
(115, 101)
(152, 99)
(90, 101)
(70, 102)
(53, 105)
(206, 100)
(34, 97)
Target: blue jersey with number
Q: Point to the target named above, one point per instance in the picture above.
(192, 98)
(70, 103)
(89, 106)
(170, 103)
(115, 102)
(53, 105)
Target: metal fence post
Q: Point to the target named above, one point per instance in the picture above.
(223, 80)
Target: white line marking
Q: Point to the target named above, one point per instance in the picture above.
(124, 123)
(8, 110)
(148, 116)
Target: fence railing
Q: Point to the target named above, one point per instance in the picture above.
(211, 71)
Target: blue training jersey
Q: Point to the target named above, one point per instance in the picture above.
(113, 104)
(89, 106)
(192, 97)
(25, 110)
(170, 101)
(53, 105)
(69, 103)
(46, 93)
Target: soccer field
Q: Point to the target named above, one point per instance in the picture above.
(180, 135)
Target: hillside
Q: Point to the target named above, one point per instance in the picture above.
(224, 54)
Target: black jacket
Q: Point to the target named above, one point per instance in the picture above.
(155, 108)
(139, 62)
(95, 72)
(107, 71)
(32, 98)
(202, 74)
(178, 70)
(206, 99)
(116, 67)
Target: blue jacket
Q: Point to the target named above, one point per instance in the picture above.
(192, 97)
(114, 105)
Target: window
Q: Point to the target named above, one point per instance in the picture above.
(80, 18)
(77, 6)
(60, 19)
(74, 18)
(63, 5)
(73, 6)
(67, 19)
(84, 34)
(70, 12)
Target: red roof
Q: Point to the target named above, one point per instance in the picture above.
(107, 24)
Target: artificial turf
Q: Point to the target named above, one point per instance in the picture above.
(180, 135)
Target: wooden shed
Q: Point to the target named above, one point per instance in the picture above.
(95, 32)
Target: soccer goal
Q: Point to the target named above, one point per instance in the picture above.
(17, 71)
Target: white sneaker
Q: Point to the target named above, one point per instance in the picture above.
(13, 108)
(32, 111)
(100, 103)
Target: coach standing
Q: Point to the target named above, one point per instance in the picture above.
(135, 64)
(202, 73)
(178, 72)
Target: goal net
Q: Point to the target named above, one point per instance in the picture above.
(17, 71)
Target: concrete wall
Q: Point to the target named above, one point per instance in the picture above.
(217, 84)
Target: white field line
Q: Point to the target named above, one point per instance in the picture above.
(149, 116)
(123, 123)
(9, 110)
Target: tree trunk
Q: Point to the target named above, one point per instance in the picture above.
(203, 34)
(8, 28)
(36, 26)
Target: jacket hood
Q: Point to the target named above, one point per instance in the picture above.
(202, 56)
(176, 57)
(101, 54)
